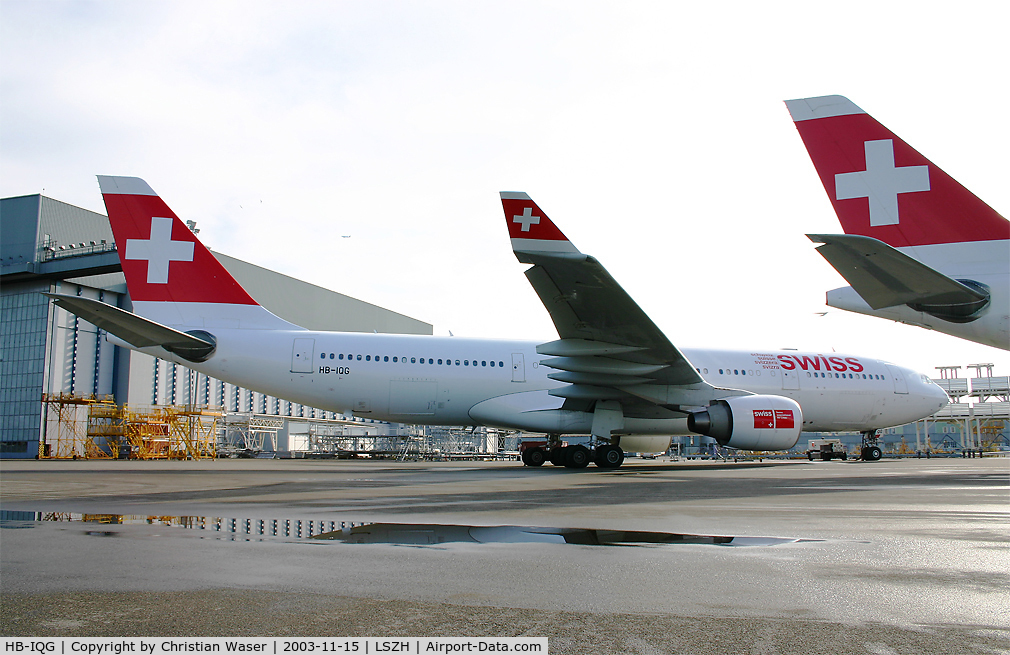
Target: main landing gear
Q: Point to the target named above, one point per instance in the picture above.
(574, 457)
(608, 418)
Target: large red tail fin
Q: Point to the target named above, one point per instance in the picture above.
(172, 277)
(881, 187)
(162, 258)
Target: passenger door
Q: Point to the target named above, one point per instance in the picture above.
(900, 386)
(302, 356)
(518, 367)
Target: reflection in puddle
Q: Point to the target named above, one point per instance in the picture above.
(386, 533)
(420, 534)
(226, 528)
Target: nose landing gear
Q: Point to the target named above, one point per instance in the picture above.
(869, 450)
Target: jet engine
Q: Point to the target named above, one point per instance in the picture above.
(751, 422)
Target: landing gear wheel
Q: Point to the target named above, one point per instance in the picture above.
(558, 455)
(577, 457)
(873, 454)
(534, 457)
(609, 457)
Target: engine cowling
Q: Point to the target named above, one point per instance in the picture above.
(751, 422)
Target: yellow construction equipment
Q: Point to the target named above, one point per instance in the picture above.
(94, 427)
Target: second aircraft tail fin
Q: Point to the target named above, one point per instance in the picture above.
(881, 187)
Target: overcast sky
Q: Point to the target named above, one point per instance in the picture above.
(653, 134)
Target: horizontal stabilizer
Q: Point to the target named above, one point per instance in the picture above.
(886, 277)
(136, 330)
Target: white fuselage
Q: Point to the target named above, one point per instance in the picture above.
(987, 262)
(459, 381)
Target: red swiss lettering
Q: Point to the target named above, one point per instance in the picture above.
(839, 364)
(786, 362)
(854, 365)
(806, 361)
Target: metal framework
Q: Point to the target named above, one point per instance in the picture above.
(79, 427)
(94, 427)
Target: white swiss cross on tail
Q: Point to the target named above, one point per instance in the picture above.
(881, 182)
(159, 250)
(526, 219)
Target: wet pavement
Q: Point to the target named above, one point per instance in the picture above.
(897, 556)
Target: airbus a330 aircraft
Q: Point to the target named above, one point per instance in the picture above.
(612, 376)
(918, 247)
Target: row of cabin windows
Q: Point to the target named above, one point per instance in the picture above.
(851, 376)
(872, 376)
(413, 360)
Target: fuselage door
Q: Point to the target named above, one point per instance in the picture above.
(518, 368)
(790, 380)
(302, 356)
(900, 386)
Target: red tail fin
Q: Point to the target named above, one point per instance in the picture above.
(881, 187)
(162, 258)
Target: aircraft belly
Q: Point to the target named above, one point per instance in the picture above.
(645, 444)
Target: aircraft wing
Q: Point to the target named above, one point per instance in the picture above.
(886, 277)
(135, 330)
(609, 347)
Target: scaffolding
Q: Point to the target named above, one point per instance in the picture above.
(94, 427)
(78, 427)
(192, 431)
(248, 434)
(171, 432)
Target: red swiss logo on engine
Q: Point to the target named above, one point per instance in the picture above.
(764, 419)
(767, 419)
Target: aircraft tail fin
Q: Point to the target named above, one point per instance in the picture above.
(881, 187)
(174, 279)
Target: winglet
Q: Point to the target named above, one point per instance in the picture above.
(530, 229)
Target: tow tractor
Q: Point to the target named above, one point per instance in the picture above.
(826, 449)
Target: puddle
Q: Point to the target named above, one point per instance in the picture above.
(384, 533)
(421, 534)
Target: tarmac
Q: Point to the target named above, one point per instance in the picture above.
(897, 556)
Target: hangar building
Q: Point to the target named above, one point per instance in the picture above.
(48, 245)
